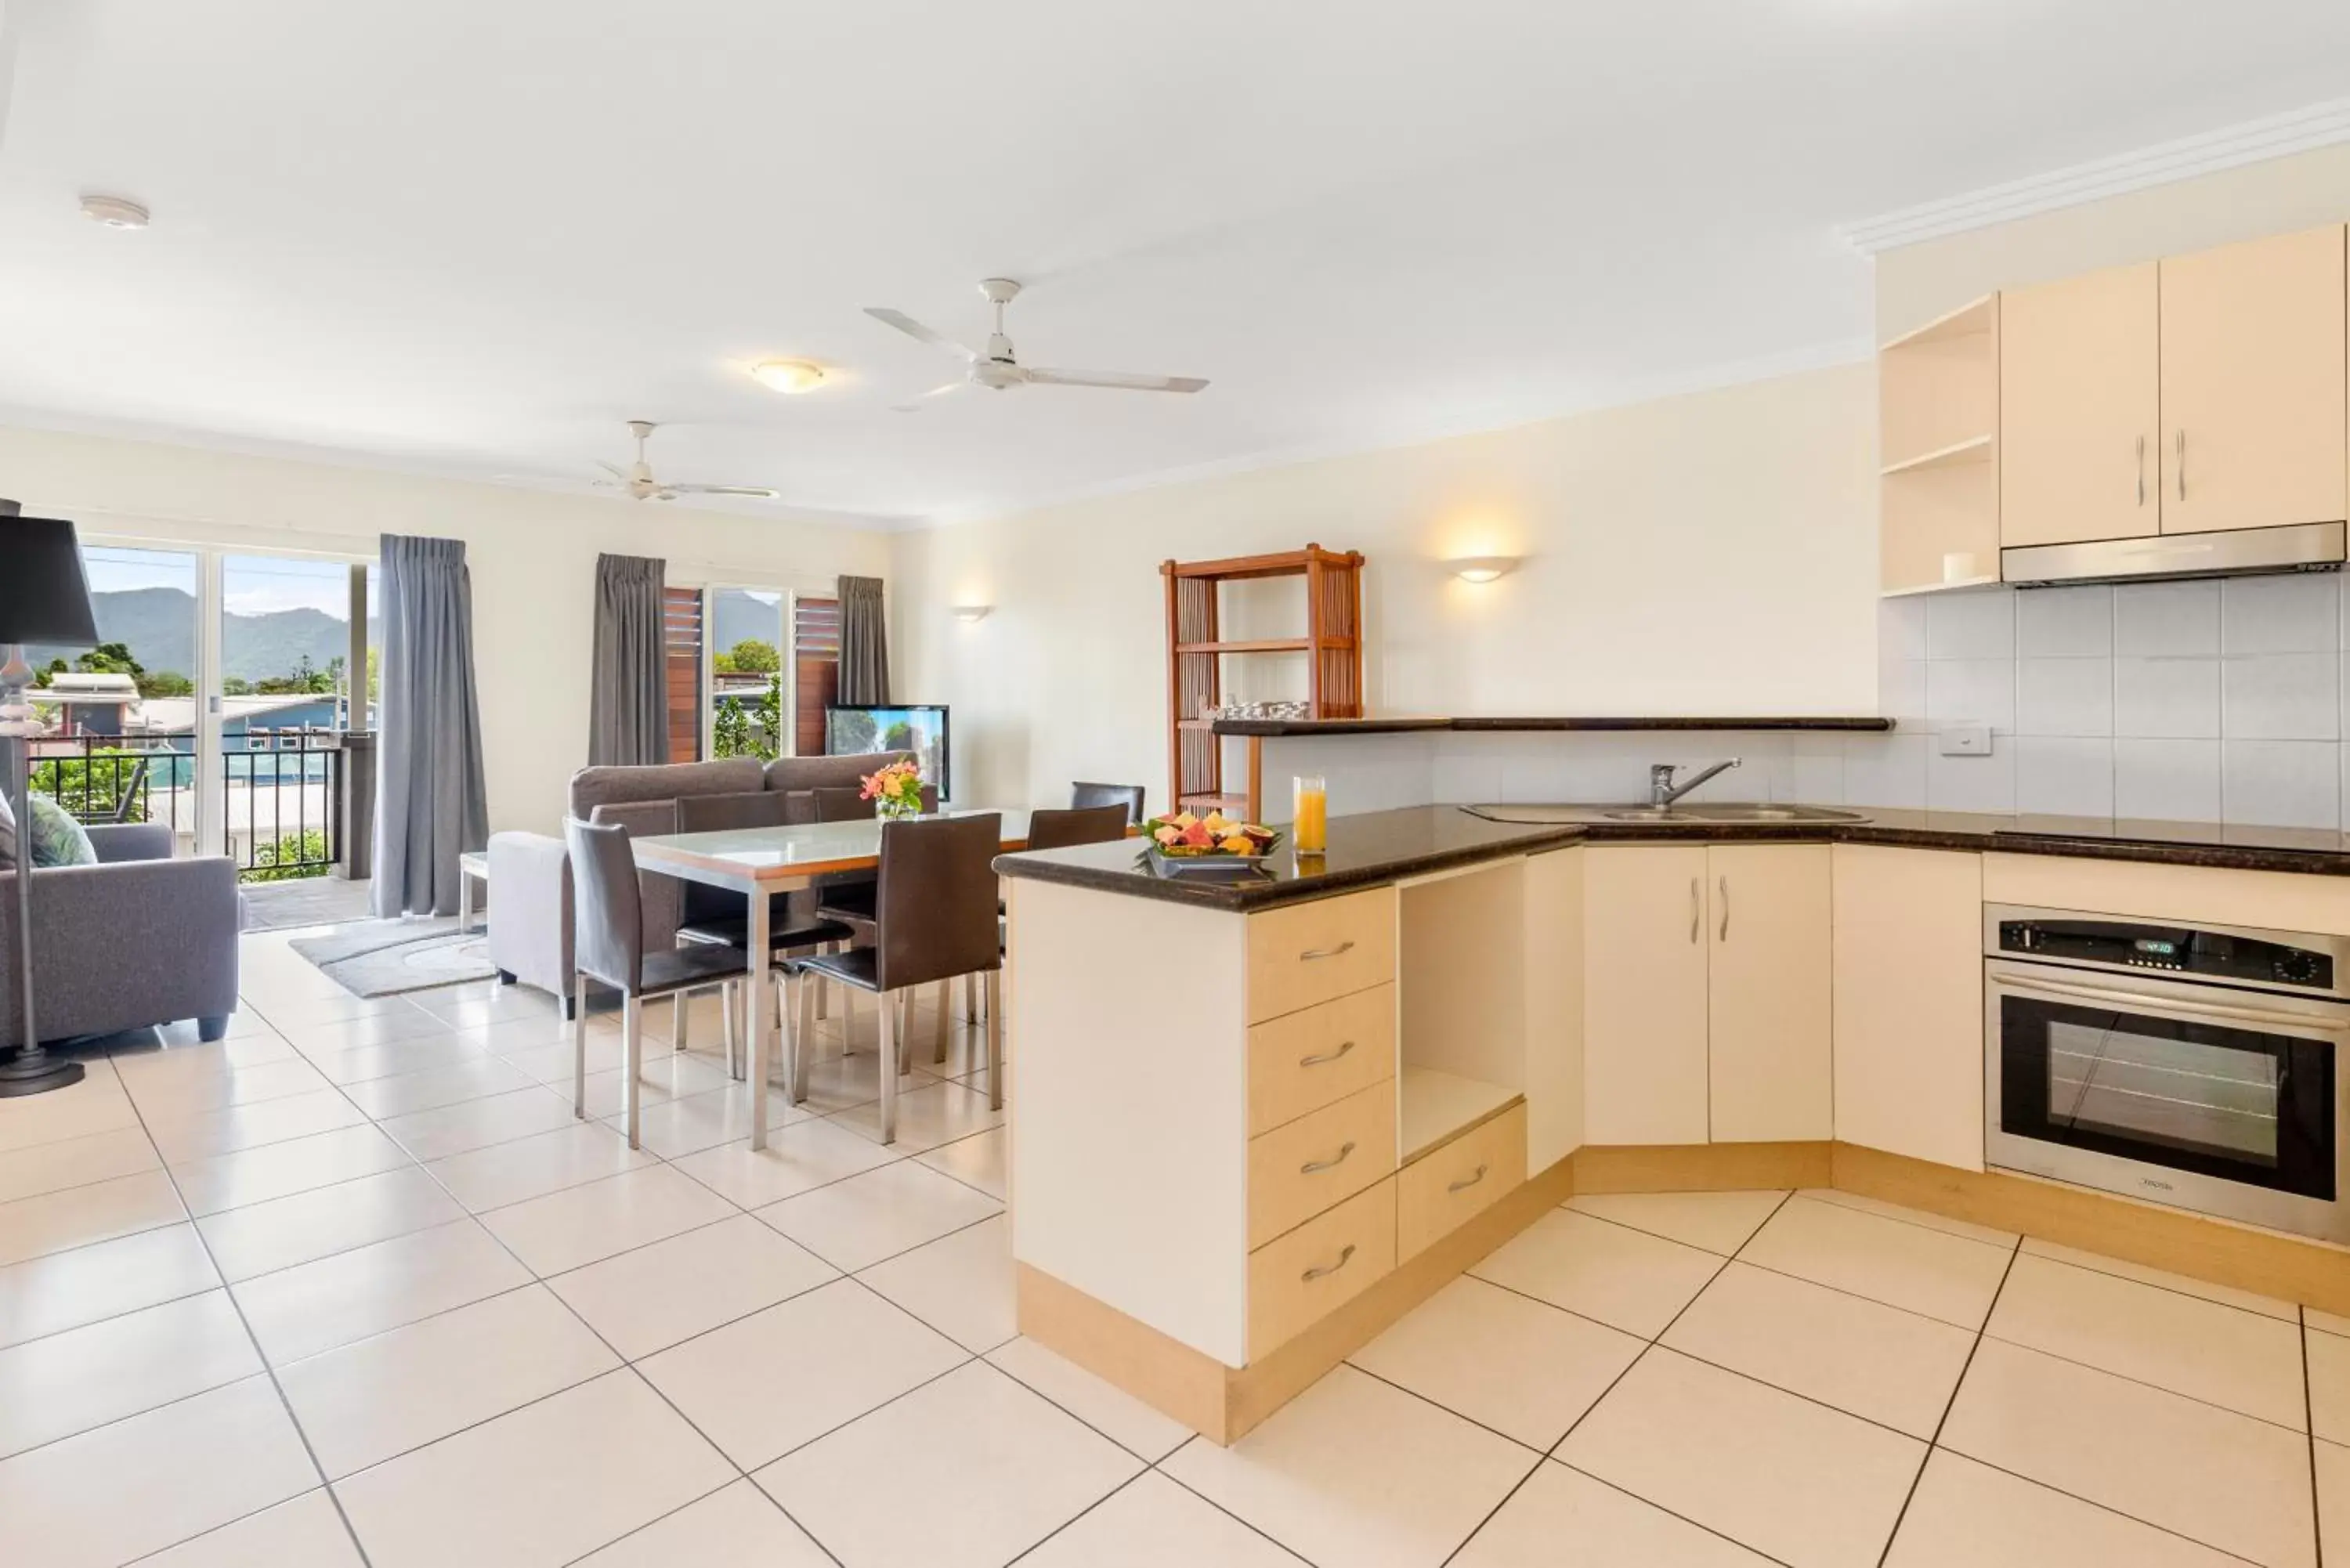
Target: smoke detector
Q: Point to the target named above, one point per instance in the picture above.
(114, 211)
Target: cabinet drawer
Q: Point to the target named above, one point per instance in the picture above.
(1312, 952)
(1319, 1267)
(1298, 1170)
(1307, 1059)
(1437, 1192)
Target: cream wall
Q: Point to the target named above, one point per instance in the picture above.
(1709, 553)
(531, 556)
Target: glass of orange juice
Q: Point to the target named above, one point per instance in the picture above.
(1309, 822)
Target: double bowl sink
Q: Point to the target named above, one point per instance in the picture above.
(1726, 812)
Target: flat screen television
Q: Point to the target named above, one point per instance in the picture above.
(918, 730)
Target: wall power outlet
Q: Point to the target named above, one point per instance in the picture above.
(1966, 740)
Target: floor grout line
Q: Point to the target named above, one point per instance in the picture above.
(1949, 1405)
(2309, 1420)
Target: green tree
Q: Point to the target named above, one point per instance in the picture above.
(722, 664)
(753, 657)
(771, 718)
(730, 730)
(235, 686)
(899, 737)
(856, 733)
(166, 683)
(110, 659)
(293, 855)
(55, 666)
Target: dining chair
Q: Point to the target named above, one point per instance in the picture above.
(721, 916)
(1082, 795)
(934, 905)
(1051, 829)
(608, 944)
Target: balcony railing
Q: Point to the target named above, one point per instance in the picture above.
(282, 794)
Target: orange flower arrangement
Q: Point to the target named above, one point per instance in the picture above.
(897, 789)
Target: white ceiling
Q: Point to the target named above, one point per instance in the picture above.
(473, 236)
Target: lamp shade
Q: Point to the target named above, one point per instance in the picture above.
(44, 597)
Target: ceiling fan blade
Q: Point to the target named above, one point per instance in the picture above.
(918, 404)
(614, 469)
(759, 491)
(1116, 379)
(913, 328)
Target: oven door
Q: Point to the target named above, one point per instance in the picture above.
(2223, 1101)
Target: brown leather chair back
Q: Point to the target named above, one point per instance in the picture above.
(607, 930)
(1083, 795)
(840, 802)
(717, 813)
(1086, 824)
(935, 908)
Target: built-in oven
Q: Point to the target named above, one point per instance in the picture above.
(2195, 1065)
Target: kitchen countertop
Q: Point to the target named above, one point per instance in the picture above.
(1405, 725)
(1376, 848)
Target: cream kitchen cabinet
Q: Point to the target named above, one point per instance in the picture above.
(2080, 415)
(1706, 994)
(1768, 990)
(2254, 427)
(1909, 1002)
(1644, 994)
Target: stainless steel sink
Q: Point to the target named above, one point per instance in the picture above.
(1693, 813)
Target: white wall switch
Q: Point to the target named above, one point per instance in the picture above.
(1966, 740)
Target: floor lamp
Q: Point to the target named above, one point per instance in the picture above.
(44, 598)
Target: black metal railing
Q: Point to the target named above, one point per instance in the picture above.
(283, 797)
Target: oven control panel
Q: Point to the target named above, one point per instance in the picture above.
(2269, 959)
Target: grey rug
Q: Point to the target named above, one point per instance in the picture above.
(385, 958)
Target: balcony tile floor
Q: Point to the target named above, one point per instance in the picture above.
(354, 1287)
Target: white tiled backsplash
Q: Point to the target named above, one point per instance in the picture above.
(2208, 701)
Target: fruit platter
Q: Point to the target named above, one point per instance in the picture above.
(1213, 844)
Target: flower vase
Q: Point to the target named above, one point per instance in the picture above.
(893, 810)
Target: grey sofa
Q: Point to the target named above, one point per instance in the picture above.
(138, 939)
(530, 875)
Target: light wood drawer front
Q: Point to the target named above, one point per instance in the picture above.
(1319, 1267)
(1444, 1188)
(1298, 1170)
(1312, 952)
(1308, 1059)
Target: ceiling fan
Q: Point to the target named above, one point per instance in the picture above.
(999, 370)
(638, 479)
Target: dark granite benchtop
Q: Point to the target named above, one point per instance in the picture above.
(1405, 724)
(1382, 847)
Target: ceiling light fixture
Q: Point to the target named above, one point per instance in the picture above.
(974, 612)
(1481, 569)
(790, 377)
(114, 211)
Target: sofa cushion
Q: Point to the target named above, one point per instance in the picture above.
(55, 838)
(798, 775)
(615, 784)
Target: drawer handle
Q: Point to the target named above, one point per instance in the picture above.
(1316, 1167)
(1466, 1182)
(1323, 1271)
(1326, 1057)
(1310, 954)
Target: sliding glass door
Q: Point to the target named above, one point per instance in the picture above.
(216, 702)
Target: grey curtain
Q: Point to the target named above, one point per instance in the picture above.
(431, 806)
(628, 710)
(864, 642)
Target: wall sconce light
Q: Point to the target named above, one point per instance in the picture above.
(968, 613)
(1481, 569)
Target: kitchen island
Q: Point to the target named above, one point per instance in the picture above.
(1256, 1122)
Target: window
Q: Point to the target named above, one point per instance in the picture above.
(816, 671)
(681, 660)
(746, 637)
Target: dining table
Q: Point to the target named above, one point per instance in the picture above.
(757, 861)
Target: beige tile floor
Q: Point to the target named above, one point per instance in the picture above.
(353, 1287)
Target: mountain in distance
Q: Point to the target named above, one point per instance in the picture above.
(158, 626)
(736, 617)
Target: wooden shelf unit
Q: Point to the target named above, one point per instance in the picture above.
(1938, 421)
(1196, 651)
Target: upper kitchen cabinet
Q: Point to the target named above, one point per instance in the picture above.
(2254, 428)
(2079, 412)
(1938, 425)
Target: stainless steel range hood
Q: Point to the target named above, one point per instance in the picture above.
(2299, 547)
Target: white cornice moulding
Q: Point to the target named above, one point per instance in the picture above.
(2231, 147)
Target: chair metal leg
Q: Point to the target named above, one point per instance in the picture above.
(579, 1046)
(633, 1058)
(810, 991)
(788, 1026)
(904, 1018)
(888, 1067)
(971, 998)
(677, 1019)
(946, 1006)
(726, 1017)
(995, 1040)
